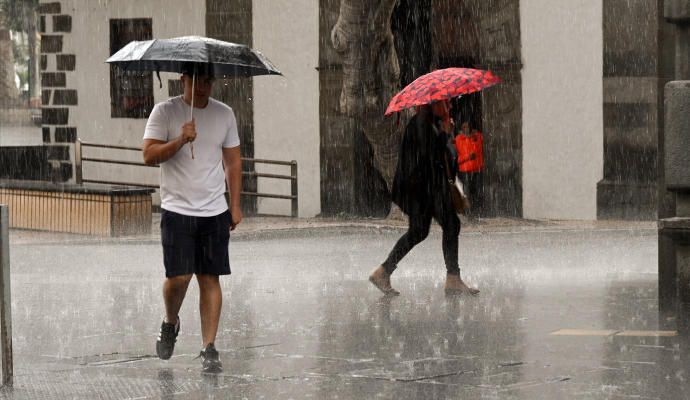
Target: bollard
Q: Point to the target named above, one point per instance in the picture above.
(5, 298)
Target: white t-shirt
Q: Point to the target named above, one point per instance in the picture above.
(194, 187)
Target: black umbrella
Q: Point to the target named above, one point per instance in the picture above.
(171, 55)
(175, 55)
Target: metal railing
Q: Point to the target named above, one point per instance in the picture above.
(5, 297)
(79, 167)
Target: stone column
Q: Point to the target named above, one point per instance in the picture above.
(338, 168)
(674, 177)
(674, 230)
(635, 70)
(231, 20)
(487, 33)
(57, 98)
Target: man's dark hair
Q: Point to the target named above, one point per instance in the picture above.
(201, 69)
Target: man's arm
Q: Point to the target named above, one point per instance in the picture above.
(233, 177)
(158, 151)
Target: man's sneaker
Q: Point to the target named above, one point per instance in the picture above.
(166, 339)
(210, 361)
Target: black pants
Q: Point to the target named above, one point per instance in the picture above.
(418, 230)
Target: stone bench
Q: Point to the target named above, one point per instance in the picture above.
(90, 209)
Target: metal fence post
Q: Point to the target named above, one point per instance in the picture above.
(295, 203)
(77, 162)
(5, 298)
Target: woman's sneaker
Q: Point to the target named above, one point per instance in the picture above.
(166, 339)
(210, 361)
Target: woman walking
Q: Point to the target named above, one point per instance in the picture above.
(421, 189)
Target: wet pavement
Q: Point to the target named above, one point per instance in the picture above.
(566, 311)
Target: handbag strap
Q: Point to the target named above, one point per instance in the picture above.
(445, 161)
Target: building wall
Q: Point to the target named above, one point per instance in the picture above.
(231, 21)
(89, 41)
(562, 113)
(286, 109)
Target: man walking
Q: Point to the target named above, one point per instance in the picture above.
(195, 220)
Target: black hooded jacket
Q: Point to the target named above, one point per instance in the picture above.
(421, 180)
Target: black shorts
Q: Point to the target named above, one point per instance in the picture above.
(195, 245)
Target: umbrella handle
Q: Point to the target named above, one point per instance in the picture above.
(191, 110)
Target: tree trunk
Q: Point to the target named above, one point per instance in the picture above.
(362, 36)
(9, 93)
(34, 56)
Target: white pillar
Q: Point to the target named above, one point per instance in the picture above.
(562, 50)
(286, 109)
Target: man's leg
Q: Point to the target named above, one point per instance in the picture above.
(212, 261)
(174, 291)
(210, 303)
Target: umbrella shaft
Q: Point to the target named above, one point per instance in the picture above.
(191, 110)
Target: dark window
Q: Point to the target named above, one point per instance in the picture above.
(131, 92)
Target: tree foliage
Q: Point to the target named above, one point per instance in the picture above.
(18, 13)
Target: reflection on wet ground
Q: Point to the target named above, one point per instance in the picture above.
(562, 315)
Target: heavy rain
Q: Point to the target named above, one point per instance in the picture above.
(425, 199)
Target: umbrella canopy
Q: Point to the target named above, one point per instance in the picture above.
(441, 84)
(172, 55)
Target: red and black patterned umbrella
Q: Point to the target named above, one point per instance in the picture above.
(440, 85)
